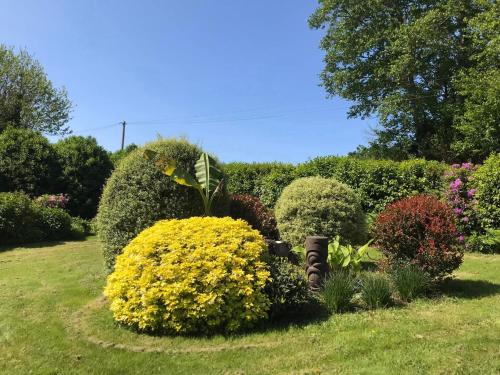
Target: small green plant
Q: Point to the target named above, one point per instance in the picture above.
(375, 290)
(208, 179)
(338, 290)
(340, 256)
(410, 281)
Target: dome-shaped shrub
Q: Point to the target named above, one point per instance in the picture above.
(319, 206)
(253, 211)
(137, 195)
(197, 275)
(420, 230)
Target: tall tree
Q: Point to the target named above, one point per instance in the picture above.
(400, 60)
(27, 97)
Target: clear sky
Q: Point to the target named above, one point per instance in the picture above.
(240, 78)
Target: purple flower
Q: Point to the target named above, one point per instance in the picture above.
(455, 185)
(467, 166)
(458, 211)
(455, 165)
(471, 192)
(465, 219)
(461, 238)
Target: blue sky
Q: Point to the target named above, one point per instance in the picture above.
(240, 78)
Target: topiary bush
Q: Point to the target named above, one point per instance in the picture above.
(420, 230)
(85, 168)
(251, 209)
(287, 288)
(197, 275)
(137, 195)
(487, 184)
(28, 162)
(319, 206)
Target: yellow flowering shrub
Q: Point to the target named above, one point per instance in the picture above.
(196, 275)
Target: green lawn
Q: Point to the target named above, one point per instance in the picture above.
(53, 321)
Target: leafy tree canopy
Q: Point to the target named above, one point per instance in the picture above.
(418, 66)
(27, 97)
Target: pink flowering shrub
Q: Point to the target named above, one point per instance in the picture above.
(462, 198)
(53, 200)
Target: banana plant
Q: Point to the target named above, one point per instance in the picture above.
(208, 179)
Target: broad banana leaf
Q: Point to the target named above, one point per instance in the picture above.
(209, 176)
(169, 168)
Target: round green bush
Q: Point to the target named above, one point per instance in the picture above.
(17, 219)
(487, 183)
(28, 162)
(319, 206)
(55, 223)
(137, 195)
(85, 168)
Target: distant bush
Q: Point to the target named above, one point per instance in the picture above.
(272, 184)
(18, 219)
(410, 281)
(251, 209)
(319, 206)
(28, 162)
(85, 168)
(487, 183)
(338, 290)
(287, 288)
(488, 243)
(80, 228)
(117, 156)
(375, 290)
(420, 230)
(194, 276)
(137, 195)
(24, 221)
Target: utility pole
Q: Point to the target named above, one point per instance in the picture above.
(124, 123)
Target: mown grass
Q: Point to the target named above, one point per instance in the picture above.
(52, 322)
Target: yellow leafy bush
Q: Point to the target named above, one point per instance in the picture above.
(196, 275)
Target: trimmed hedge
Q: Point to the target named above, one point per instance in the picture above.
(379, 182)
(137, 195)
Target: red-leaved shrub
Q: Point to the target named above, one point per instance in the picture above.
(251, 209)
(420, 230)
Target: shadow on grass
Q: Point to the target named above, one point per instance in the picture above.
(469, 289)
(39, 245)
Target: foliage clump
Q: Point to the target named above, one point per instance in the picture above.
(197, 275)
(251, 209)
(487, 183)
(338, 290)
(287, 287)
(137, 195)
(319, 206)
(85, 166)
(28, 162)
(420, 230)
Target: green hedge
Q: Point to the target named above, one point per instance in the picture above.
(487, 182)
(378, 182)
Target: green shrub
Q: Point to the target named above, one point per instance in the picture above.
(338, 290)
(55, 223)
(80, 228)
(117, 156)
(272, 184)
(319, 206)
(28, 162)
(24, 221)
(487, 182)
(85, 168)
(410, 281)
(287, 289)
(18, 220)
(200, 275)
(375, 290)
(488, 243)
(137, 194)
